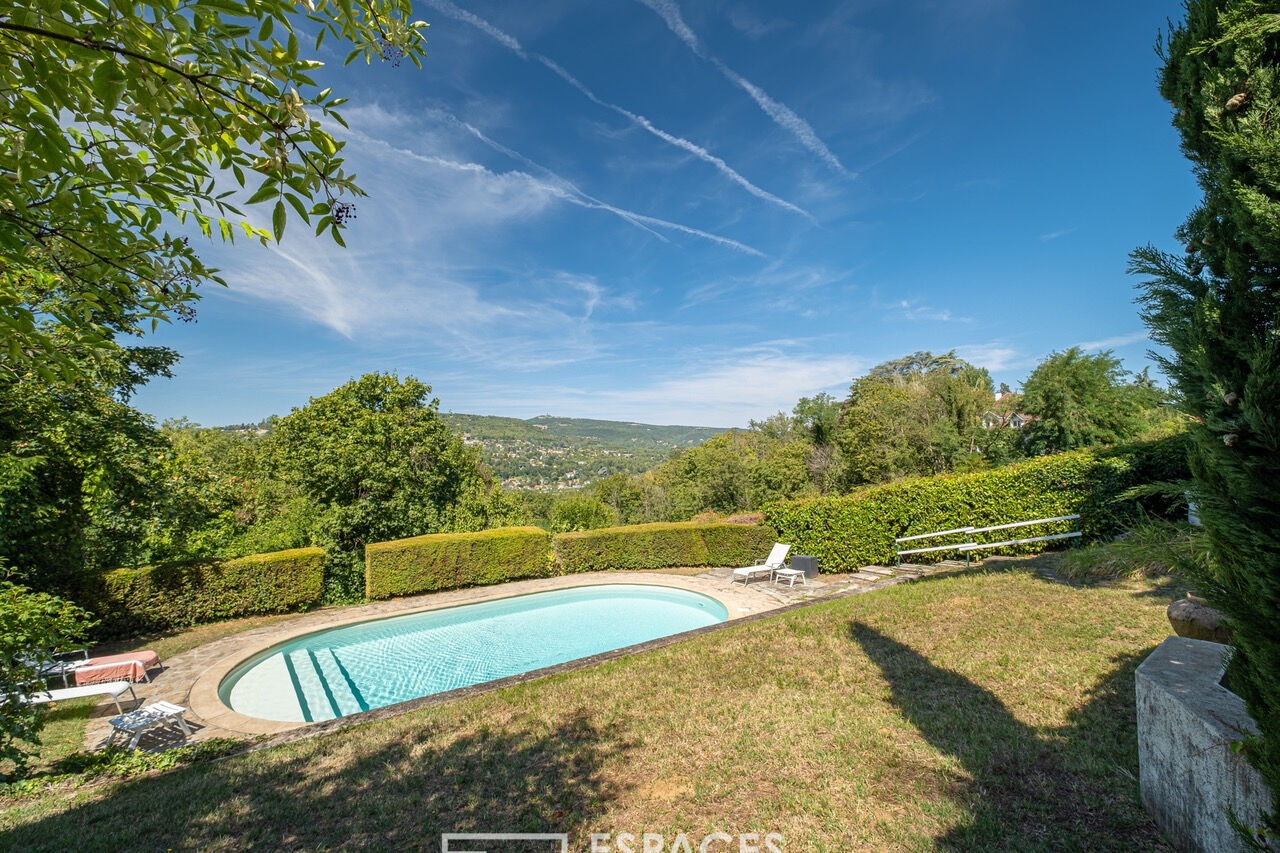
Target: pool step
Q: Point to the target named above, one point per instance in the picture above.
(323, 689)
(341, 687)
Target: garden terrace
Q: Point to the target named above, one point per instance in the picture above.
(927, 714)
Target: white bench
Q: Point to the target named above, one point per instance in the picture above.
(145, 719)
(792, 575)
(114, 689)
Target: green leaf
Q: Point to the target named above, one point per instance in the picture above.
(268, 189)
(278, 218)
(108, 83)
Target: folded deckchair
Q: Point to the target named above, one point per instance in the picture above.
(776, 560)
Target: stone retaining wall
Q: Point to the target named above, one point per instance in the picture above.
(1189, 775)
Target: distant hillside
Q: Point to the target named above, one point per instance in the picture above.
(548, 452)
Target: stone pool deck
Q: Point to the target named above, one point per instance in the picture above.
(191, 679)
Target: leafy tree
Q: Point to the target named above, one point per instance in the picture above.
(581, 512)
(778, 470)
(732, 472)
(714, 476)
(115, 119)
(1082, 400)
(624, 495)
(377, 462)
(33, 626)
(818, 416)
(1218, 310)
(83, 482)
(914, 415)
(535, 507)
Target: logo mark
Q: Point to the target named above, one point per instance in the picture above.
(481, 842)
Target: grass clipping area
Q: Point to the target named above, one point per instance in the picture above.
(990, 710)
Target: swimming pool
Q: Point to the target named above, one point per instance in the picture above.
(341, 671)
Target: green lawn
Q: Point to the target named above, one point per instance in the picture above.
(979, 710)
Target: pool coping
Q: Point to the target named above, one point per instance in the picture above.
(204, 702)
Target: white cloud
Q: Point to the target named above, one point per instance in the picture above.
(447, 8)
(1054, 235)
(912, 309)
(782, 115)
(750, 383)
(670, 13)
(1115, 341)
(993, 356)
(782, 283)
(516, 193)
(751, 25)
(786, 118)
(679, 142)
(405, 276)
(640, 121)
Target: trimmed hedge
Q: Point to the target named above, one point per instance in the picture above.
(441, 561)
(851, 531)
(179, 595)
(663, 545)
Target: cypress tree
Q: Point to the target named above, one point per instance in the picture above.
(1217, 308)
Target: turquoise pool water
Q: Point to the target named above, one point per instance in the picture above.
(354, 668)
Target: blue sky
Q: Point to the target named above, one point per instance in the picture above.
(698, 211)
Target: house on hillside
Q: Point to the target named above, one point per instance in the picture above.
(1016, 420)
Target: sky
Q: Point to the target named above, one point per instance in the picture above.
(699, 211)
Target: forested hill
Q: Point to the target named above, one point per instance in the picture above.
(554, 452)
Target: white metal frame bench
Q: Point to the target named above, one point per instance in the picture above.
(144, 719)
(114, 689)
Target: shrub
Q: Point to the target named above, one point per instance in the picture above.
(450, 560)
(662, 545)
(179, 595)
(117, 762)
(582, 512)
(851, 531)
(1151, 549)
(33, 626)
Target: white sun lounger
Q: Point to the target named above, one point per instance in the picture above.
(114, 689)
(776, 560)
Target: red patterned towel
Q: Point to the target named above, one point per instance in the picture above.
(127, 667)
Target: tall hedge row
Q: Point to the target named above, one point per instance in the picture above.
(441, 561)
(851, 531)
(179, 595)
(662, 545)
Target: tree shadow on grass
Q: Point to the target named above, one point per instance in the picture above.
(335, 792)
(1072, 788)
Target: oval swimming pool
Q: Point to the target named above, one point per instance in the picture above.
(340, 671)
